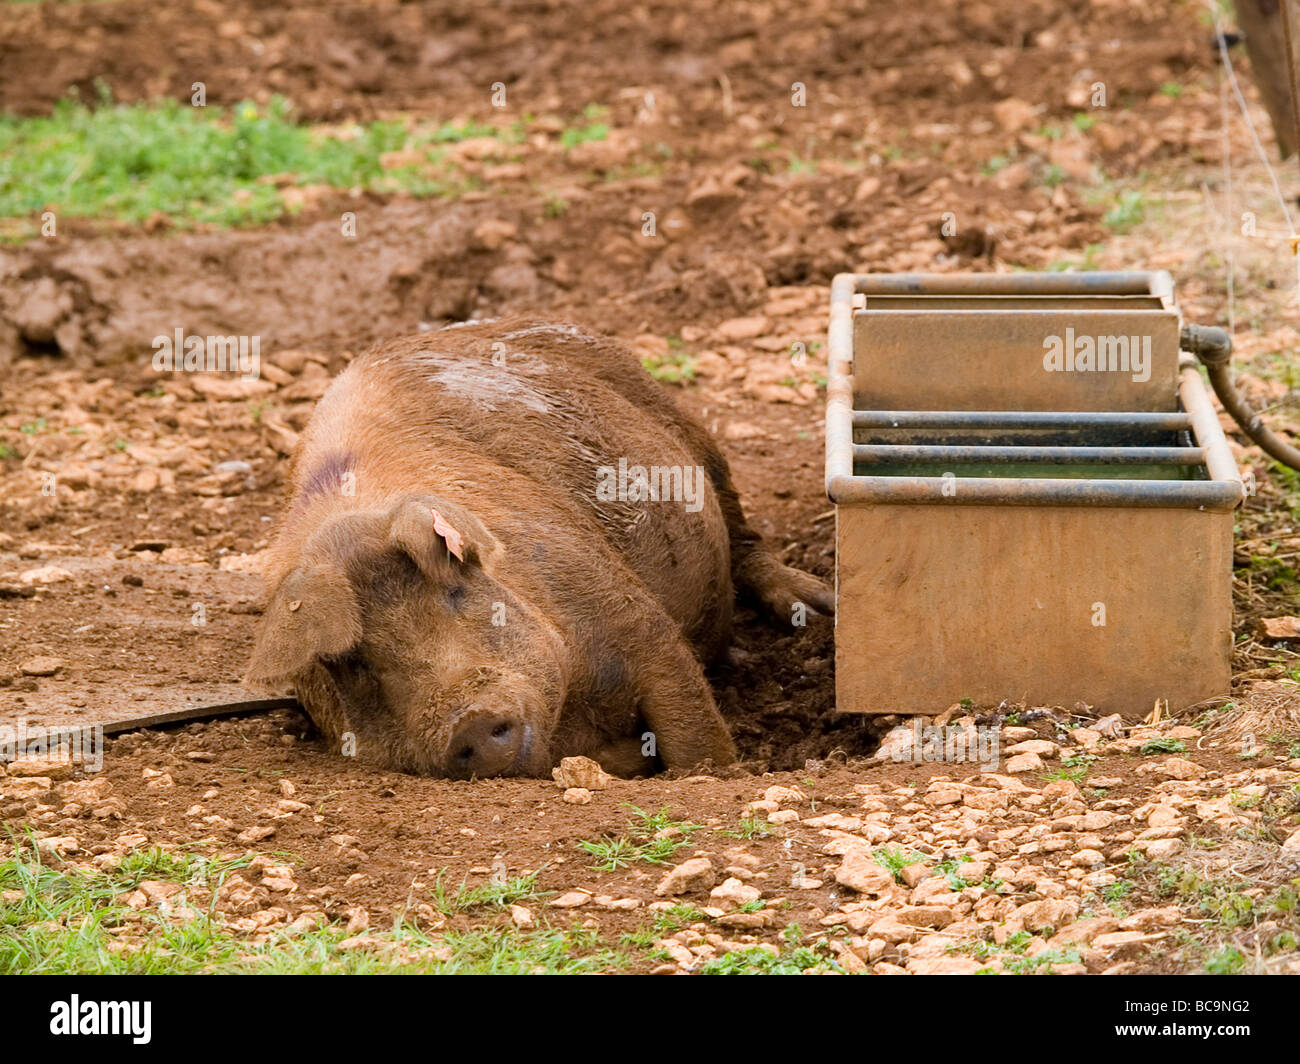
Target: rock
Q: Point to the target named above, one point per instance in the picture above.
(1118, 940)
(40, 666)
(946, 966)
(1087, 859)
(23, 788)
(1174, 768)
(39, 766)
(622, 905)
(1159, 849)
(943, 797)
(913, 873)
(1292, 844)
(1029, 762)
(1007, 783)
(254, 834)
(581, 772)
(86, 792)
(688, 877)
(1014, 115)
(834, 821)
(1279, 627)
(935, 916)
(46, 574)
(61, 845)
(229, 389)
(1082, 932)
(1151, 919)
(577, 796)
(1036, 915)
(893, 931)
(157, 891)
(746, 921)
(1041, 747)
(1061, 789)
(1085, 737)
(781, 794)
(681, 956)
(734, 891)
(491, 233)
(741, 329)
(896, 745)
(972, 871)
(570, 900)
(859, 872)
(521, 916)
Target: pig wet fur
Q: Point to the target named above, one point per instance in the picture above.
(450, 592)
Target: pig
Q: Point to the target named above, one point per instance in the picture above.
(504, 544)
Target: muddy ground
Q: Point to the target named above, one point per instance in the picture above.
(138, 571)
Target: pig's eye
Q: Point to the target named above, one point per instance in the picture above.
(456, 596)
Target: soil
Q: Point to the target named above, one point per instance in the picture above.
(906, 118)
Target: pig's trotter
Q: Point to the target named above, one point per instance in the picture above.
(781, 589)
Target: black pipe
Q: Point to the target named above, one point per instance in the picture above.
(1213, 347)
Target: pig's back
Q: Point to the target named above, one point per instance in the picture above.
(543, 400)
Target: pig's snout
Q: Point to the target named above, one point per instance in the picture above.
(485, 743)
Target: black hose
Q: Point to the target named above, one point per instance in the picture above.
(1213, 347)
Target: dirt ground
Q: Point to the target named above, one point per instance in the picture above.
(139, 572)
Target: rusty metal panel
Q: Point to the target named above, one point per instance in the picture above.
(1065, 359)
(1112, 606)
(1005, 532)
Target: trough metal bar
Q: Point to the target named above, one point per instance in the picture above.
(1205, 428)
(839, 380)
(1016, 419)
(1114, 283)
(1027, 491)
(893, 452)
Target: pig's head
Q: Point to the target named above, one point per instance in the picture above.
(395, 631)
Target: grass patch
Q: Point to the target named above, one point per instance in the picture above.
(895, 860)
(652, 838)
(1128, 212)
(792, 958)
(61, 919)
(207, 164)
(490, 895)
(1163, 746)
(676, 367)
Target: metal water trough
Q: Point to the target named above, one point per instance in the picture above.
(1013, 522)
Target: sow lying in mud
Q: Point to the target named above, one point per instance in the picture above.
(469, 579)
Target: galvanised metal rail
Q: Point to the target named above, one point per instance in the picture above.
(1221, 491)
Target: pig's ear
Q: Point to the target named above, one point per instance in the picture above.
(314, 612)
(436, 533)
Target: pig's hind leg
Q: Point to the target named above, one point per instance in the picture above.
(756, 570)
